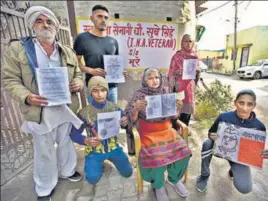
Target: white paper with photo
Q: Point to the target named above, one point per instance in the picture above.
(154, 108)
(108, 124)
(230, 141)
(53, 83)
(189, 69)
(169, 106)
(114, 66)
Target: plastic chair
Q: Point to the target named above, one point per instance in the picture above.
(183, 129)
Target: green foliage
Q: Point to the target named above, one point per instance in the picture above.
(217, 95)
(205, 110)
(217, 98)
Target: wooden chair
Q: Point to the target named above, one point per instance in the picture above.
(183, 129)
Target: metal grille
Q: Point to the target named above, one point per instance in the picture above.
(16, 147)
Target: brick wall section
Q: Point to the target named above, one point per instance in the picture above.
(153, 10)
(58, 7)
(148, 10)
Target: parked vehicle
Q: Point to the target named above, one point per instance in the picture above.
(255, 71)
(203, 66)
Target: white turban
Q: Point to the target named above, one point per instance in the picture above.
(35, 11)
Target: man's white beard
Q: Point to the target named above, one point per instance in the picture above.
(46, 35)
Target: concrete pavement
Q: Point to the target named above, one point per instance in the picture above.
(113, 187)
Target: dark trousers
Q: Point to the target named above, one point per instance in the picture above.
(185, 118)
(241, 173)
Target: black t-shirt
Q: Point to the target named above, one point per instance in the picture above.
(93, 48)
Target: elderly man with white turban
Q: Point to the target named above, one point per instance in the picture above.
(47, 124)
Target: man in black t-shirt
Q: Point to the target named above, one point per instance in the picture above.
(93, 45)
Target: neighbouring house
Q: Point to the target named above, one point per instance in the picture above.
(204, 54)
(212, 58)
(251, 46)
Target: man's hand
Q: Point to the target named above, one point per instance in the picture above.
(264, 154)
(92, 141)
(213, 136)
(97, 71)
(140, 105)
(36, 100)
(125, 73)
(75, 86)
(124, 121)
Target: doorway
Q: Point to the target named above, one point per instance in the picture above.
(244, 56)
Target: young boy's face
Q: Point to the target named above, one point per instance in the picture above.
(244, 106)
(99, 94)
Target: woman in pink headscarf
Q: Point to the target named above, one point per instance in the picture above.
(176, 81)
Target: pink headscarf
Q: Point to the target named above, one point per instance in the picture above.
(176, 69)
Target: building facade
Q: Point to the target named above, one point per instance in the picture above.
(251, 46)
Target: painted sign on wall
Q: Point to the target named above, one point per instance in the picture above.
(142, 43)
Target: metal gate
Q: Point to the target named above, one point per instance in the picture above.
(16, 147)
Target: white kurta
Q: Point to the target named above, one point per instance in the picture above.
(55, 127)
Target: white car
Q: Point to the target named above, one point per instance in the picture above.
(203, 66)
(256, 70)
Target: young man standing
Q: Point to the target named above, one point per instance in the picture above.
(93, 45)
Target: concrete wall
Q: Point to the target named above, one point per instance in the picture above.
(183, 11)
(148, 10)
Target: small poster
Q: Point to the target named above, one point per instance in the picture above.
(161, 106)
(53, 83)
(114, 66)
(189, 69)
(241, 145)
(108, 124)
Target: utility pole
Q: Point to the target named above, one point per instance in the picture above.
(235, 37)
(71, 13)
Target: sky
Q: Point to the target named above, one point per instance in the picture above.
(217, 26)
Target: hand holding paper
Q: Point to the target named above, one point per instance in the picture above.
(124, 121)
(141, 105)
(36, 100)
(97, 72)
(92, 141)
(179, 104)
(75, 86)
(264, 154)
(125, 73)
